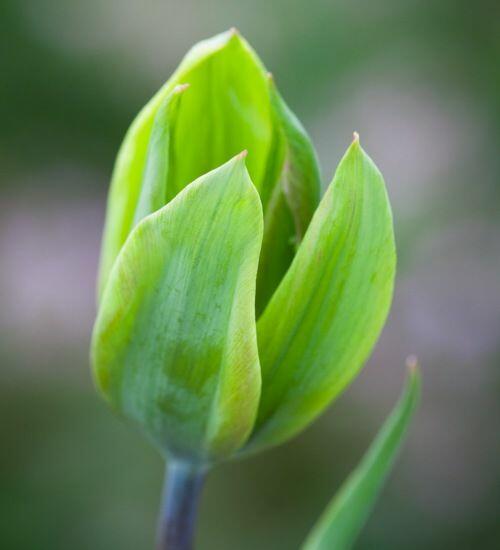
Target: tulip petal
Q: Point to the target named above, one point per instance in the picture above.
(328, 311)
(301, 179)
(278, 248)
(293, 202)
(153, 192)
(174, 345)
(226, 110)
(346, 514)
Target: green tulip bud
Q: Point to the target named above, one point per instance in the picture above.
(234, 304)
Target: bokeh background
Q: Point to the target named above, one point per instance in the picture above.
(420, 82)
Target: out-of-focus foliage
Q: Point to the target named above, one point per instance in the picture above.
(418, 80)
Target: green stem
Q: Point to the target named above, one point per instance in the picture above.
(183, 484)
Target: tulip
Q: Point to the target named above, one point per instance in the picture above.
(234, 302)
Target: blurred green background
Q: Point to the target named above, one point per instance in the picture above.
(419, 81)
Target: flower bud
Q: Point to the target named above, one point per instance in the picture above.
(234, 304)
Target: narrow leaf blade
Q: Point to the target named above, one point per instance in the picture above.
(347, 513)
(174, 345)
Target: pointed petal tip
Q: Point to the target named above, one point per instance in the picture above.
(236, 39)
(181, 88)
(355, 137)
(271, 82)
(234, 34)
(242, 155)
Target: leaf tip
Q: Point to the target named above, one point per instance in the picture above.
(242, 155)
(414, 376)
(412, 363)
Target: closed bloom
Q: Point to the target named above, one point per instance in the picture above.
(234, 302)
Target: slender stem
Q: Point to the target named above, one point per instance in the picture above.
(183, 484)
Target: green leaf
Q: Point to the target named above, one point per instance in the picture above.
(345, 516)
(227, 109)
(174, 345)
(328, 311)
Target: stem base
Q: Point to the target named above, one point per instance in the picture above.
(183, 484)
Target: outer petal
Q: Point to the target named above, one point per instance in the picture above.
(327, 313)
(174, 345)
(226, 110)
